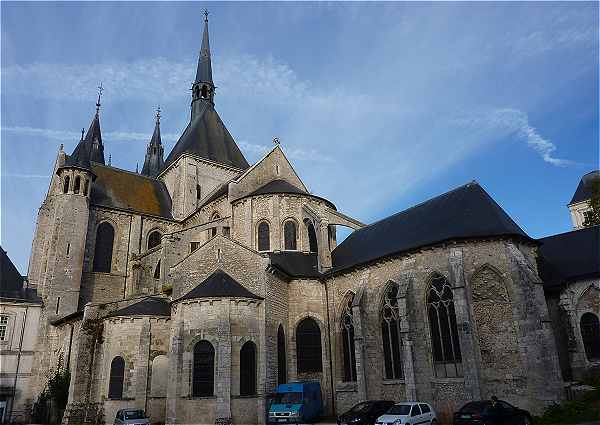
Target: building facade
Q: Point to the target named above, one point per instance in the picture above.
(192, 289)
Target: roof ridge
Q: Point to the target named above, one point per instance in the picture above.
(127, 171)
(570, 231)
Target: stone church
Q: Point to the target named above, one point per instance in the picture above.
(193, 288)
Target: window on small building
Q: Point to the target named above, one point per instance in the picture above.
(77, 184)
(203, 370)
(248, 369)
(312, 236)
(117, 376)
(281, 358)
(66, 184)
(194, 246)
(154, 239)
(289, 235)
(447, 358)
(103, 251)
(264, 236)
(347, 335)
(590, 333)
(390, 333)
(308, 346)
(3, 328)
(157, 270)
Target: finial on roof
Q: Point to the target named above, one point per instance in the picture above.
(205, 15)
(100, 89)
(60, 149)
(158, 115)
(275, 140)
(109, 159)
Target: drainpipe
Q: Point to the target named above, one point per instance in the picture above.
(14, 389)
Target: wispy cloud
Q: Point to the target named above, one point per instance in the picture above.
(503, 122)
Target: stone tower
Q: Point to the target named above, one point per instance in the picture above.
(154, 162)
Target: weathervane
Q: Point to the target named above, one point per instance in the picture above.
(100, 90)
(275, 140)
(205, 15)
(158, 115)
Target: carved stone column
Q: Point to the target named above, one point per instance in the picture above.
(406, 281)
(141, 378)
(359, 352)
(223, 378)
(174, 384)
(465, 325)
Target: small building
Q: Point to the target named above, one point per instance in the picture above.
(579, 205)
(20, 309)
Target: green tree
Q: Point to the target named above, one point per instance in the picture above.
(592, 217)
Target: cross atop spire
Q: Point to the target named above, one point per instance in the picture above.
(158, 115)
(100, 90)
(205, 15)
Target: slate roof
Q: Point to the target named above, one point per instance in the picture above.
(207, 137)
(151, 306)
(204, 70)
(12, 285)
(569, 256)
(278, 186)
(584, 188)
(463, 213)
(219, 284)
(153, 161)
(116, 188)
(296, 264)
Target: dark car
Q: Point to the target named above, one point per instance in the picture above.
(365, 412)
(487, 412)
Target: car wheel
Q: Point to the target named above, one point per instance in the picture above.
(433, 422)
(526, 421)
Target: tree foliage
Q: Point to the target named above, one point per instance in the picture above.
(593, 217)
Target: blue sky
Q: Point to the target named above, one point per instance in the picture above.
(378, 105)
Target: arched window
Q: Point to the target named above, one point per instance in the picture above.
(308, 346)
(289, 235)
(204, 91)
(66, 184)
(248, 369)
(105, 236)
(160, 369)
(117, 375)
(85, 187)
(264, 236)
(213, 231)
(157, 271)
(312, 236)
(347, 334)
(590, 333)
(77, 185)
(154, 239)
(390, 332)
(442, 324)
(281, 358)
(204, 368)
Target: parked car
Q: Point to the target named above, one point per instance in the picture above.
(487, 412)
(365, 413)
(296, 402)
(131, 417)
(412, 413)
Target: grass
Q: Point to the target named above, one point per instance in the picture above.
(586, 409)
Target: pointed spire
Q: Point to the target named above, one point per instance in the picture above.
(204, 71)
(154, 162)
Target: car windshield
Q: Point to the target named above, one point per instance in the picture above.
(475, 407)
(288, 398)
(399, 409)
(133, 414)
(361, 407)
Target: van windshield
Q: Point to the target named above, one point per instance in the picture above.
(288, 398)
(399, 409)
(133, 414)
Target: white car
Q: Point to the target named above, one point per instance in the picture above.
(409, 412)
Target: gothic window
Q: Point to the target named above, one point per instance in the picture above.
(157, 271)
(308, 346)
(248, 369)
(347, 333)
(444, 332)
(390, 333)
(312, 236)
(85, 187)
(213, 231)
(264, 236)
(105, 236)
(66, 184)
(590, 333)
(289, 235)
(154, 239)
(281, 358)
(77, 184)
(203, 373)
(117, 375)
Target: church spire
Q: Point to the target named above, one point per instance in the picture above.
(203, 87)
(154, 162)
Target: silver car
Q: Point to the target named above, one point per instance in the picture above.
(131, 417)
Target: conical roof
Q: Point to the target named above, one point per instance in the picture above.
(93, 138)
(154, 162)
(204, 70)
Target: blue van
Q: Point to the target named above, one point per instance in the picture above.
(296, 402)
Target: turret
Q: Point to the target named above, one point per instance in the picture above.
(154, 162)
